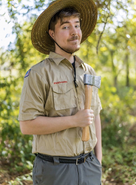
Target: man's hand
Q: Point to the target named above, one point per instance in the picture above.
(99, 158)
(83, 118)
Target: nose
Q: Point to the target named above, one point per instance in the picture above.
(73, 30)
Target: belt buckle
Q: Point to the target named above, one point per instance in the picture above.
(84, 159)
(77, 161)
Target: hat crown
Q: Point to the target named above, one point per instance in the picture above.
(41, 39)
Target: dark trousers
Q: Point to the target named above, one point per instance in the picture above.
(48, 173)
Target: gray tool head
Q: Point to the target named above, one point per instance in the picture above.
(92, 80)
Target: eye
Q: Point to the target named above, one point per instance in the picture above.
(77, 26)
(65, 27)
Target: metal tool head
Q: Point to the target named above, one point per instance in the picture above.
(92, 80)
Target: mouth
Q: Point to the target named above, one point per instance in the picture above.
(74, 39)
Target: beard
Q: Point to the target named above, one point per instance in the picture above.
(71, 49)
(74, 47)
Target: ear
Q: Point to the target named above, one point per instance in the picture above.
(51, 33)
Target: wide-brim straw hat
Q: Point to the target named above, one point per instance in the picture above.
(39, 35)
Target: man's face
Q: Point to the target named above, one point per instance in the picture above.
(68, 34)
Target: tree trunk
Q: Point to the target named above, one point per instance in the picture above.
(127, 70)
(114, 70)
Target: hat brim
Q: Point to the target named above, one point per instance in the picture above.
(39, 35)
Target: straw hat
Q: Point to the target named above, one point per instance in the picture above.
(40, 38)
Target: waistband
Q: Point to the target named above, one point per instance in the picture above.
(73, 160)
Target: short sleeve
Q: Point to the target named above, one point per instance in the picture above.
(32, 97)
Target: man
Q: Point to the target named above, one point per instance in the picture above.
(52, 100)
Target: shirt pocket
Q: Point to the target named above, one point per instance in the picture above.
(64, 96)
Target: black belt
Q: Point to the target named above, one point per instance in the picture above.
(73, 160)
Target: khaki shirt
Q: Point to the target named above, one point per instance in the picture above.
(49, 91)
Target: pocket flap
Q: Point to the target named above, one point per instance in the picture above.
(62, 88)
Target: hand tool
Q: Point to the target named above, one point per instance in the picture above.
(89, 82)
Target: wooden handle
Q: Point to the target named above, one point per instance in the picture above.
(88, 98)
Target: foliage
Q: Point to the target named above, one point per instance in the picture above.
(15, 146)
(21, 180)
(119, 152)
(119, 163)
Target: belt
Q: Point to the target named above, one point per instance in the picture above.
(73, 160)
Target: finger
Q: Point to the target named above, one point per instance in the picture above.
(91, 112)
(91, 121)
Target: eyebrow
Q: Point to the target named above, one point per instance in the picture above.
(66, 22)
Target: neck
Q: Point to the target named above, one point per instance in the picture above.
(68, 56)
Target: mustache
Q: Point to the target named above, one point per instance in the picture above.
(74, 37)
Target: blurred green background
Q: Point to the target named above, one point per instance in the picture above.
(110, 50)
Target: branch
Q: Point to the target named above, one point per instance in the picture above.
(97, 47)
(105, 22)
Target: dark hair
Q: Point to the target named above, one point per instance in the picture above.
(66, 12)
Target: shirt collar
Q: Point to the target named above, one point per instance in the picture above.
(80, 62)
(58, 58)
